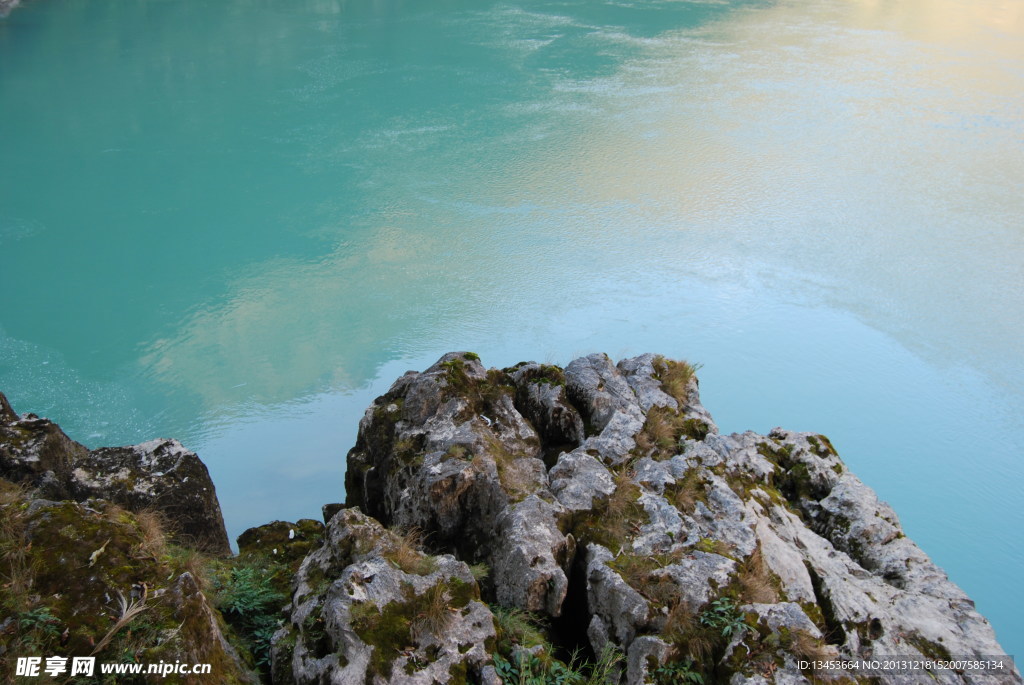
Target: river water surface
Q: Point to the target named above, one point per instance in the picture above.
(235, 222)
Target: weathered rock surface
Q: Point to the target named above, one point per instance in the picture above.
(733, 556)
(599, 506)
(369, 608)
(159, 474)
(447, 452)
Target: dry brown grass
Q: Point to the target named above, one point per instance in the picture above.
(127, 612)
(615, 518)
(675, 377)
(188, 560)
(681, 629)
(435, 616)
(757, 582)
(406, 552)
(687, 491)
(17, 573)
(153, 526)
(660, 435)
(806, 646)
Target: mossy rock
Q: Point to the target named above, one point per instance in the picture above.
(93, 578)
(286, 541)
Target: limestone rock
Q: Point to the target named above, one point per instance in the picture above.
(367, 608)
(448, 453)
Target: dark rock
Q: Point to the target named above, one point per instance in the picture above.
(159, 474)
(287, 542)
(541, 398)
(329, 510)
(36, 452)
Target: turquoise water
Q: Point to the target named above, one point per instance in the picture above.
(235, 222)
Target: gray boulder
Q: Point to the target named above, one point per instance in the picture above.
(369, 608)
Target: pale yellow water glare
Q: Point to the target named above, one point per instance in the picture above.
(874, 146)
(276, 334)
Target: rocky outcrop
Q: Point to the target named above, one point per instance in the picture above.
(496, 521)
(604, 496)
(160, 474)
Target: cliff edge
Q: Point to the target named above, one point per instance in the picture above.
(535, 524)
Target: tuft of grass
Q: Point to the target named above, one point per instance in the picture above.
(153, 526)
(435, 616)
(517, 627)
(659, 438)
(806, 646)
(687, 491)
(480, 571)
(615, 517)
(675, 377)
(757, 582)
(406, 553)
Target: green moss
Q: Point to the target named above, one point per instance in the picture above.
(713, 546)
(471, 357)
(547, 374)
(775, 452)
(814, 613)
(314, 631)
(822, 446)
(928, 649)
(393, 628)
(640, 573)
(67, 566)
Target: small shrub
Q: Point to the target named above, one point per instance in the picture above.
(724, 616)
(247, 598)
(678, 673)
